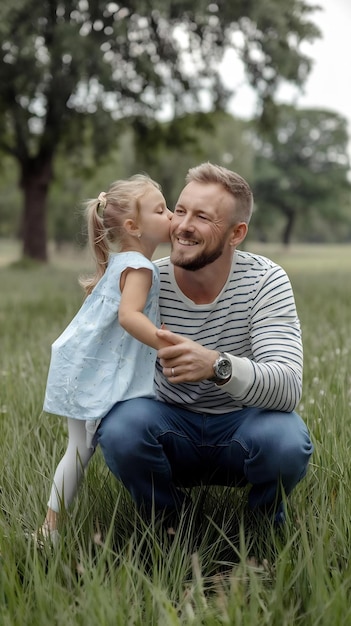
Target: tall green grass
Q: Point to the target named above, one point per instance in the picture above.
(222, 567)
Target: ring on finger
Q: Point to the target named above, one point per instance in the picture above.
(172, 371)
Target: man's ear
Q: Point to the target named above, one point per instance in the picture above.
(239, 233)
(131, 227)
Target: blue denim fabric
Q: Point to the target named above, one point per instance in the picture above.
(156, 448)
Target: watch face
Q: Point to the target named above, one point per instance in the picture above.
(224, 368)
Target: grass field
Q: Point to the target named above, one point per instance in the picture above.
(110, 568)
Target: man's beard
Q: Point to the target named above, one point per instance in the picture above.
(197, 263)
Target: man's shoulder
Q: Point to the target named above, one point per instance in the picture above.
(163, 262)
(250, 260)
(253, 258)
(252, 268)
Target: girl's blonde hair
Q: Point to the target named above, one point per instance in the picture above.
(105, 217)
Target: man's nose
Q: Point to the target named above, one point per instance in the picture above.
(186, 222)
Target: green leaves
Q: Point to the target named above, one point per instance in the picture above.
(65, 61)
(302, 168)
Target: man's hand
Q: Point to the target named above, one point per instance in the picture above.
(185, 361)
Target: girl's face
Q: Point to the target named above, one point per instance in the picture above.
(154, 217)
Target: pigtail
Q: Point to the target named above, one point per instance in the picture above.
(97, 236)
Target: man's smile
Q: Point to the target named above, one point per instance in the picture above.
(186, 242)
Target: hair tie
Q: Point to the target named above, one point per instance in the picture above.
(101, 205)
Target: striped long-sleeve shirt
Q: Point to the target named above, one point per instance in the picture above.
(253, 320)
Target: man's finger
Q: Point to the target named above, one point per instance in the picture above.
(170, 337)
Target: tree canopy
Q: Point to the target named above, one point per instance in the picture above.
(72, 71)
(302, 168)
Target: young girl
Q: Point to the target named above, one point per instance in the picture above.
(108, 352)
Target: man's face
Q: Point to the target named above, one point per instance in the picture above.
(202, 225)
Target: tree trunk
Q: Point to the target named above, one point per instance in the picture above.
(35, 180)
(288, 228)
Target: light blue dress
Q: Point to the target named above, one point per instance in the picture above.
(95, 362)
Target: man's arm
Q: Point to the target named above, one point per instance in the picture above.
(273, 378)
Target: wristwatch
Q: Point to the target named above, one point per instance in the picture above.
(222, 369)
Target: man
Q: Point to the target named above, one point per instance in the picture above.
(231, 377)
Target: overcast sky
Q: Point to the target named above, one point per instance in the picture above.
(329, 83)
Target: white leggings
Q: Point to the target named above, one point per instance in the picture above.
(70, 470)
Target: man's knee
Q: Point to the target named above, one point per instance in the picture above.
(109, 433)
(283, 445)
(123, 429)
(293, 454)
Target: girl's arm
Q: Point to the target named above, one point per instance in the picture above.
(135, 286)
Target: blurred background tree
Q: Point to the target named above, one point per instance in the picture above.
(78, 76)
(301, 177)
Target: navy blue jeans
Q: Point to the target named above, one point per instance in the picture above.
(155, 449)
